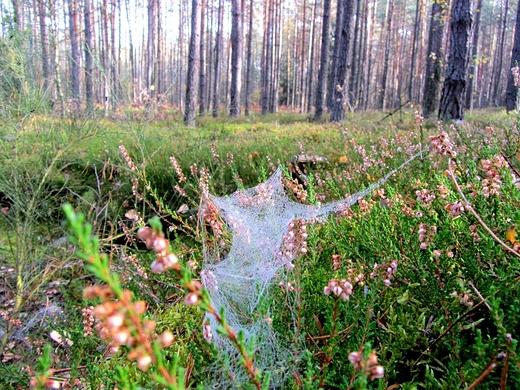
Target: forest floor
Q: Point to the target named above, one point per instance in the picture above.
(430, 258)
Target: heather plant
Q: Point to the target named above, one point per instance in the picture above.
(121, 321)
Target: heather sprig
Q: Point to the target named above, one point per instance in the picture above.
(122, 322)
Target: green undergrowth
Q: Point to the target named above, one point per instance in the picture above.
(438, 300)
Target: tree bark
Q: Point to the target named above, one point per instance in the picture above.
(249, 59)
(388, 36)
(89, 64)
(344, 39)
(452, 101)
(113, 70)
(190, 113)
(202, 74)
(275, 57)
(150, 49)
(434, 56)
(473, 68)
(415, 48)
(335, 55)
(44, 36)
(321, 88)
(311, 62)
(512, 89)
(74, 50)
(181, 55)
(499, 59)
(267, 57)
(131, 53)
(219, 49)
(237, 44)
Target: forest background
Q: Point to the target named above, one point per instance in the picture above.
(269, 54)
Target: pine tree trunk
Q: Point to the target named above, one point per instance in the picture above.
(367, 96)
(415, 44)
(236, 57)
(18, 14)
(473, 67)
(159, 60)
(150, 48)
(44, 44)
(275, 57)
(219, 49)
(512, 89)
(89, 63)
(344, 39)
(355, 69)
(105, 54)
(249, 59)
(310, 61)
(202, 74)
(131, 53)
(388, 36)
(499, 56)
(433, 61)
(267, 57)
(452, 101)
(181, 55)
(335, 55)
(190, 113)
(113, 72)
(209, 63)
(321, 88)
(74, 50)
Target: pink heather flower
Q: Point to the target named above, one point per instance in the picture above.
(214, 152)
(167, 338)
(443, 191)
(170, 259)
(177, 169)
(206, 332)
(342, 289)
(160, 245)
(143, 362)
(157, 267)
(376, 372)
(425, 196)
(127, 158)
(443, 145)
(191, 299)
(355, 358)
(456, 208)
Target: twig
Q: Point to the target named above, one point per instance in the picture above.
(484, 374)
(479, 295)
(510, 164)
(393, 112)
(59, 371)
(503, 378)
(479, 219)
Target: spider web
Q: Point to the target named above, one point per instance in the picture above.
(238, 276)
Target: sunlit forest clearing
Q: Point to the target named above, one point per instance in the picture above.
(259, 195)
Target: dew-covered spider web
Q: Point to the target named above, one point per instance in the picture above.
(239, 272)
